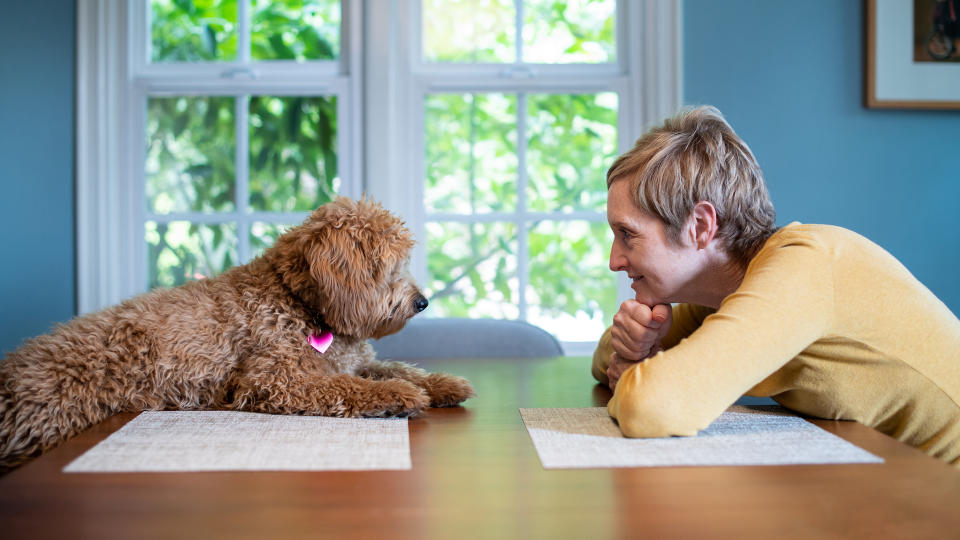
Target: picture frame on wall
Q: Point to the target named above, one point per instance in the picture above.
(913, 54)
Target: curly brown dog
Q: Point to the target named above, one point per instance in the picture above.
(237, 341)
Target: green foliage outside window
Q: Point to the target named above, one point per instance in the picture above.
(206, 30)
(193, 30)
(471, 160)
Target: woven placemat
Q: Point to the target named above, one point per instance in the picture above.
(180, 441)
(586, 438)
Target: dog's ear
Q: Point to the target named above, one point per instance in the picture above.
(340, 261)
(353, 244)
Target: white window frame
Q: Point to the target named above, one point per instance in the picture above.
(380, 84)
(114, 82)
(646, 77)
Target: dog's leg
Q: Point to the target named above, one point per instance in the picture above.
(331, 395)
(444, 390)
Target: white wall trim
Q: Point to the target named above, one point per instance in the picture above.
(655, 59)
(390, 170)
(103, 200)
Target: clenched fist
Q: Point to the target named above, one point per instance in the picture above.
(635, 335)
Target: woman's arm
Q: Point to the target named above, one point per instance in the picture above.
(784, 304)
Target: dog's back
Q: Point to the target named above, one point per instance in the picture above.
(165, 349)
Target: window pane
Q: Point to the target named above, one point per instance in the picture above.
(471, 161)
(572, 293)
(472, 270)
(190, 154)
(295, 30)
(180, 251)
(191, 31)
(572, 139)
(263, 235)
(469, 31)
(569, 31)
(293, 152)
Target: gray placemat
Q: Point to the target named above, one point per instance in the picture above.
(175, 441)
(588, 438)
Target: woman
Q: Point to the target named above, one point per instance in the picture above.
(817, 317)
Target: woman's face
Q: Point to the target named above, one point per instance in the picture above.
(661, 271)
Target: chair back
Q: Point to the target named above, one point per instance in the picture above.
(467, 338)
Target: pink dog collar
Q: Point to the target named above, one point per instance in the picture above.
(322, 341)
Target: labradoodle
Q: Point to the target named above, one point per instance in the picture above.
(256, 338)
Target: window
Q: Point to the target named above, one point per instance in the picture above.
(218, 124)
(205, 128)
(514, 175)
(515, 109)
(230, 164)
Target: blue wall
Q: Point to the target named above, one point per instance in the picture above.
(789, 78)
(36, 167)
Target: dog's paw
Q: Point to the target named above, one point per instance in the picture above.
(393, 397)
(447, 390)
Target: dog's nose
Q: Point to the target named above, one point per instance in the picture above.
(420, 303)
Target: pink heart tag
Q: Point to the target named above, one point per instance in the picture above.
(321, 342)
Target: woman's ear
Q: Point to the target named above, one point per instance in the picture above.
(704, 217)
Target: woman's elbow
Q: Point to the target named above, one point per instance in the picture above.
(601, 358)
(648, 419)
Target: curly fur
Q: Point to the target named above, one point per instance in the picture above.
(237, 341)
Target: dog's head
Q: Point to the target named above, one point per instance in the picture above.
(348, 262)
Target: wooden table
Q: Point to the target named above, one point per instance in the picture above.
(476, 475)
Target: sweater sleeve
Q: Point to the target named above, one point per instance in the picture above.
(601, 357)
(784, 304)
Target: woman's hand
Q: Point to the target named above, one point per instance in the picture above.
(618, 366)
(635, 335)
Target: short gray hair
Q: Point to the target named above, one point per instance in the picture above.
(696, 156)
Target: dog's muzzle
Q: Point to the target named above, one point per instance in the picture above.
(420, 303)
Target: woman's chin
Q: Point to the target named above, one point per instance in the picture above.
(646, 299)
(644, 295)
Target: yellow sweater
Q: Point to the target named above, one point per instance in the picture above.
(826, 323)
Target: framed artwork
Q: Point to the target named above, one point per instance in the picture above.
(913, 61)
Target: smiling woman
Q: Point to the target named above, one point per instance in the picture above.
(817, 317)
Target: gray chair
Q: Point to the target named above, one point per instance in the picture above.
(467, 338)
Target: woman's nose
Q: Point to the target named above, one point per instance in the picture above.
(617, 261)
